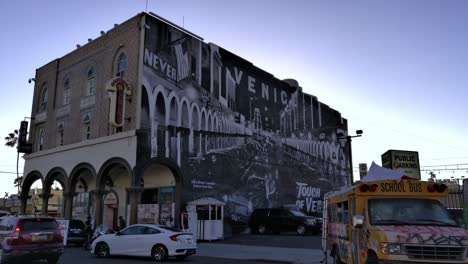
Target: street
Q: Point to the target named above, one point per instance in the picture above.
(248, 249)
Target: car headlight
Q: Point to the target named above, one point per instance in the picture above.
(391, 249)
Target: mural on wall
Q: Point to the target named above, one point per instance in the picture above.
(237, 133)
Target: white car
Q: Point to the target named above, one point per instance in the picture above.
(156, 241)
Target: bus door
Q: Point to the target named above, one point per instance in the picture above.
(354, 231)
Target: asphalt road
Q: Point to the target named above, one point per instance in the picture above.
(77, 255)
(288, 240)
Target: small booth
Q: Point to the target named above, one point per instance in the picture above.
(204, 219)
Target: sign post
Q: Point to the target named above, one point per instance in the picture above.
(64, 224)
(465, 202)
(402, 159)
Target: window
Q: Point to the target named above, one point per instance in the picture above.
(87, 125)
(60, 133)
(133, 230)
(91, 80)
(66, 92)
(43, 99)
(40, 139)
(122, 65)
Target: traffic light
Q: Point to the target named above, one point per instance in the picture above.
(23, 147)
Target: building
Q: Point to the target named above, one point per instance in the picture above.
(148, 117)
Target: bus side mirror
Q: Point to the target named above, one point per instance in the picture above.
(358, 221)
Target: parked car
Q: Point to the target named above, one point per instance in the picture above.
(155, 241)
(28, 237)
(76, 232)
(4, 213)
(283, 219)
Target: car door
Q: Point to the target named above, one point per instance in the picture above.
(127, 241)
(149, 237)
(276, 223)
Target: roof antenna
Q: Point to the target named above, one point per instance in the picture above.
(183, 19)
(146, 6)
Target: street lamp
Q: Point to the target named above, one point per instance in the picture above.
(348, 142)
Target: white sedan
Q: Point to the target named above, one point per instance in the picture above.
(156, 241)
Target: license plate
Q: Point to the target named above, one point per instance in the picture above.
(39, 238)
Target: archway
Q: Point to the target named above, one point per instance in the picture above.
(160, 123)
(53, 197)
(184, 132)
(114, 176)
(173, 113)
(27, 205)
(81, 185)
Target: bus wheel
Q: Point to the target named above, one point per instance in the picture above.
(372, 258)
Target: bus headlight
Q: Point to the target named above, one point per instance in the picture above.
(391, 249)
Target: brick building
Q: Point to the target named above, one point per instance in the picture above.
(148, 117)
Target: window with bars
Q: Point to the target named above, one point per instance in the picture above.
(43, 99)
(91, 81)
(122, 65)
(40, 139)
(66, 92)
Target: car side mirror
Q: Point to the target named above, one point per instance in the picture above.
(358, 221)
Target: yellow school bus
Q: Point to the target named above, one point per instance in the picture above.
(392, 221)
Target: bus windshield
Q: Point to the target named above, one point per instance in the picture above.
(404, 211)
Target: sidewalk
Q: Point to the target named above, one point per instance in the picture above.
(259, 253)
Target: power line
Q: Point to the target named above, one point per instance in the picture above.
(9, 172)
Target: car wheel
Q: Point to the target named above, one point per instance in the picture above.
(159, 253)
(182, 257)
(102, 250)
(261, 229)
(301, 230)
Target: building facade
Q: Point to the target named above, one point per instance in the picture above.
(149, 117)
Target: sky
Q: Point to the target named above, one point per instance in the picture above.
(394, 69)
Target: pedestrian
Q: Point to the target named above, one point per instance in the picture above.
(122, 223)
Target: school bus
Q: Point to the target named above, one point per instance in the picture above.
(392, 221)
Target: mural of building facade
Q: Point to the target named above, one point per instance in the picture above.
(149, 117)
(237, 133)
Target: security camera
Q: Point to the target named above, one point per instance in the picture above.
(31, 80)
(359, 132)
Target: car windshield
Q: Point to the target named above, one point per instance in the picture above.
(34, 224)
(297, 213)
(402, 211)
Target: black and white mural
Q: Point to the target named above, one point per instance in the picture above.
(237, 133)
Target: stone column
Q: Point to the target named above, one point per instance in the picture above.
(68, 204)
(45, 202)
(98, 195)
(134, 199)
(24, 202)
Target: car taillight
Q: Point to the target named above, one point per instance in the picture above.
(173, 238)
(58, 238)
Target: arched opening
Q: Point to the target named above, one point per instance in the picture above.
(173, 113)
(52, 197)
(82, 182)
(114, 177)
(196, 131)
(145, 121)
(185, 132)
(160, 121)
(31, 183)
(158, 199)
(203, 133)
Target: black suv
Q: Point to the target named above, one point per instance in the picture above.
(283, 219)
(28, 237)
(76, 232)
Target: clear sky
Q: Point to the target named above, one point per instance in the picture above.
(395, 69)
